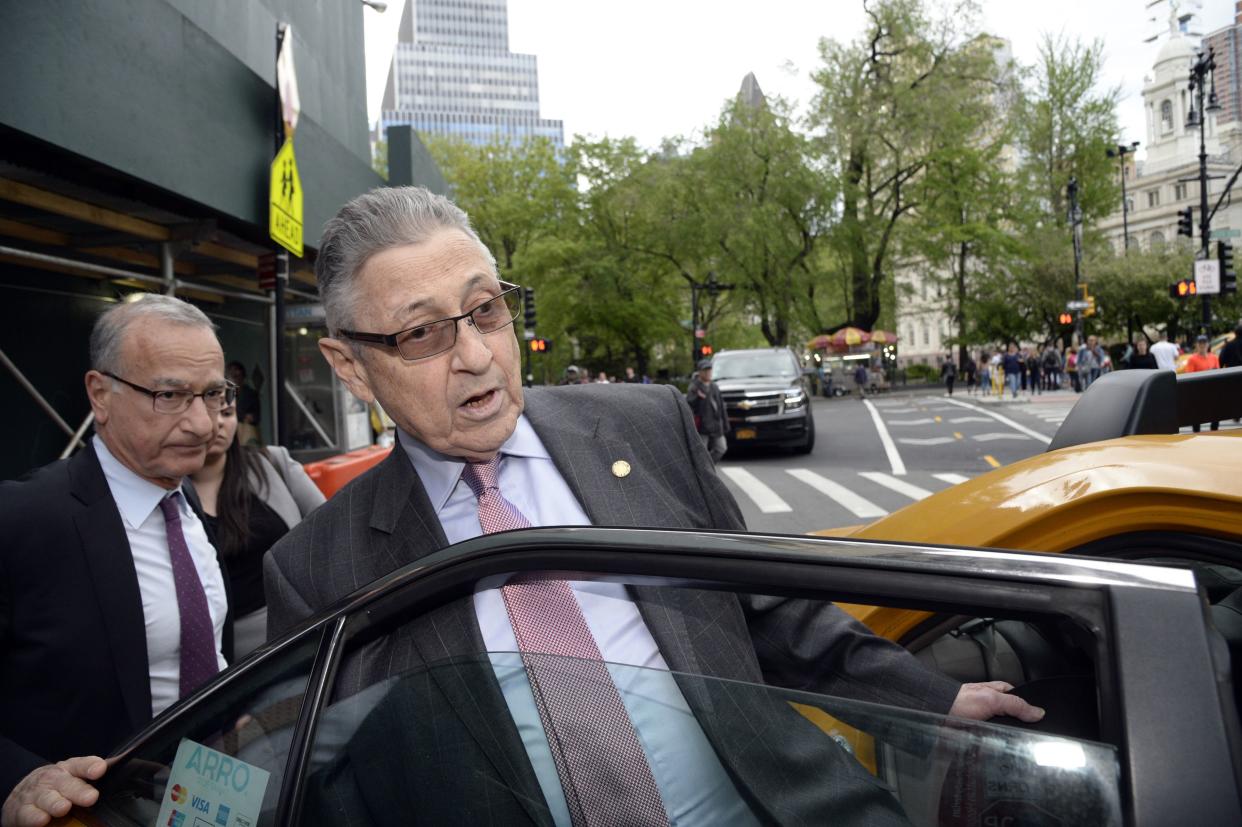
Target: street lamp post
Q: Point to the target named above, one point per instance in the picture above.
(1201, 76)
(1121, 151)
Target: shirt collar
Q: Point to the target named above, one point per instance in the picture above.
(135, 497)
(440, 473)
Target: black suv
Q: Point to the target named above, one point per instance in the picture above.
(768, 398)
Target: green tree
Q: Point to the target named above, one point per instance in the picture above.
(883, 100)
(765, 205)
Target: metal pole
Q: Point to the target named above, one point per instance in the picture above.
(76, 439)
(694, 325)
(166, 269)
(1125, 205)
(282, 277)
(1200, 71)
(310, 417)
(1075, 216)
(34, 393)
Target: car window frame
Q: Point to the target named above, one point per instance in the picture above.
(1102, 595)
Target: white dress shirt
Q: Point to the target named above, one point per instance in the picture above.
(695, 788)
(138, 501)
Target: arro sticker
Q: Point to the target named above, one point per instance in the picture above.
(209, 788)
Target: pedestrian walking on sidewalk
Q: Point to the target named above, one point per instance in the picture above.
(1012, 365)
(948, 372)
(1203, 359)
(971, 375)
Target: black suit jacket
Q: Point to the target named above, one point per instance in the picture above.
(450, 708)
(73, 648)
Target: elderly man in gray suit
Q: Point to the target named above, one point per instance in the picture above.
(421, 321)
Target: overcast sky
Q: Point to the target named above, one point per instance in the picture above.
(656, 68)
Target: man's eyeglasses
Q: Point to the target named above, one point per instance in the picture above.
(169, 401)
(433, 338)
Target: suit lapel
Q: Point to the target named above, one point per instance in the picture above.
(111, 564)
(448, 639)
(585, 458)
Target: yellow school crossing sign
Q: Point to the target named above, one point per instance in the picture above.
(285, 222)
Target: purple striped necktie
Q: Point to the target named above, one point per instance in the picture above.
(198, 638)
(601, 764)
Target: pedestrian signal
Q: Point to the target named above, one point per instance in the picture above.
(1186, 222)
(705, 350)
(1066, 318)
(1183, 288)
(1228, 276)
(540, 345)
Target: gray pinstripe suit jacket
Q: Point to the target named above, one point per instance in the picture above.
(454, 714)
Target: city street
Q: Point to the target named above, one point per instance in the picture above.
(876, 455)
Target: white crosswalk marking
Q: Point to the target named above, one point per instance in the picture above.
(764, 498)
(844, 497)
(958, 419)
(927, 421)
(900, 486)
(889, 409)
(994, 437)
(952, 479)
(935, 440)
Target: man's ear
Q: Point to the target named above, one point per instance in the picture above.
(99, 392)
(348, 367)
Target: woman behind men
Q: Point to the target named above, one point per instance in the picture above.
(251, 497)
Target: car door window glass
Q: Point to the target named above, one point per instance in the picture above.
(247, 722)
(420, 728)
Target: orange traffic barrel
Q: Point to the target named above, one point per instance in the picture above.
(333, 473)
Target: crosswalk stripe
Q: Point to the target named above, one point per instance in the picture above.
(994, 437)
(935, 440)
(764, 498)
(957, 419)
(900, 486)
(844, 497)
(951, 479)
(910, 422)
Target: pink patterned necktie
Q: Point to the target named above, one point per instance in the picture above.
(198, 636)
(602, 767)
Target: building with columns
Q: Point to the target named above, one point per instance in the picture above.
(1167, 180)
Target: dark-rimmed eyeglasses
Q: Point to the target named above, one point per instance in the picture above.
(434, 338)
(171, 401)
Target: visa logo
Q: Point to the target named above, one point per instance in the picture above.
(200, 804)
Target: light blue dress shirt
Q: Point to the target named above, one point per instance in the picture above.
(695, 787)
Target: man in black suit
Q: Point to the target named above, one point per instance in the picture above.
(477, 454)
(112, 602)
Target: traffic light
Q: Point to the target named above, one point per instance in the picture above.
(1186, 222)
(1066, 318)
(540, 345)
(528, 304)
(1183, 289)
(1228, 276)
(705, 349)
(1089, 310)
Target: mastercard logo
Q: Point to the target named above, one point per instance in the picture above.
(179, 794)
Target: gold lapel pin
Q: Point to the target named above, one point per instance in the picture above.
(620, 468)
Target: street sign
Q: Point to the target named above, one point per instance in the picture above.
(1226, 233)
(1207, 276)
(1077, 305)
(287, 83)
(700, 333)
(285, 219)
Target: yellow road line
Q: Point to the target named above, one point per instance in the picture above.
(957, 434)
(991, 460)
(937, 419)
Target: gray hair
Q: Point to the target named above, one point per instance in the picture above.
(109, 331)
(371, 223)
